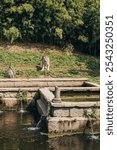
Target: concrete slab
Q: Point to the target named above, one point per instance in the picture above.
(79, 89)
(43, 79)
(42, 108)
(42, 82)
(47, 94)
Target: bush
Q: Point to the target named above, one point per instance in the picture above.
(68, 48)
(12, 34)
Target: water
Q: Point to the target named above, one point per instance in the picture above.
(89, 118)
(16, 134)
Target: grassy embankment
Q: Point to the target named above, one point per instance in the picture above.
(25, 58)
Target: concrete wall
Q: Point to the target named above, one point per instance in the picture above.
(72, 117)
(9, 96)
(73, 109)
(42, 82)
(67, 116)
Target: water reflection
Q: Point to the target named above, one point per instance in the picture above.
(74, 143)
(14, 135)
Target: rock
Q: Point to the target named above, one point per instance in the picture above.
(10, 102)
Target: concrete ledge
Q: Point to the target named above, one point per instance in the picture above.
(41, 82)
(79, 89)
(30, 89)
(76, 104)
(2, 89)
(47, 94)
(91, 84)
(42, 79)
(9, 98)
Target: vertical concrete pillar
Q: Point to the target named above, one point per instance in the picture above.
(57, 95)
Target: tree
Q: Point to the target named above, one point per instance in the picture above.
(57, 22)
(92, 25)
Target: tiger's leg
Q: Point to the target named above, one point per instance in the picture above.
(48, 67)
(43, 67)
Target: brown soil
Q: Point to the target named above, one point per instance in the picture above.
(26, 47)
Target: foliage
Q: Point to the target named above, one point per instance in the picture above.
(92, 25)
(12, 34)
(68, 48)
(54, 22)
(22, 95)
(94, 113)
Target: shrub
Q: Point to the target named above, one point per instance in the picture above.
(12, 34)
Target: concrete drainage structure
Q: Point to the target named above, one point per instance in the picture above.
(60, 116)
(66, 116)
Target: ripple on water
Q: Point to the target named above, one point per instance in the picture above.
(22, 111)
(32, 128)
(1, 111)
(94, 137)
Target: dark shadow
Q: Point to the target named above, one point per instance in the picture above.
(38, 67)
(93, 65)
(73, 72)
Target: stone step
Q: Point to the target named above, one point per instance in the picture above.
(88, 97)
(13, 98)
(41, 79)
(80, 89)
(76, 104)
(4, 89)
(16, 89)
(42, 82)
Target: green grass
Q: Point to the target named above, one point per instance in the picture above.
(62, 65)
(18, 58)
(80, 99)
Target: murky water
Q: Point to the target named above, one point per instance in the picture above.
(15, 135)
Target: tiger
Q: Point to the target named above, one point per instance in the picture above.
(45, 63)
